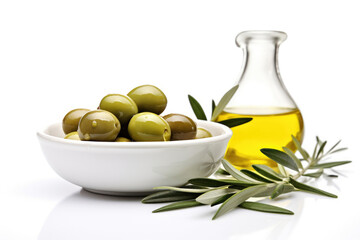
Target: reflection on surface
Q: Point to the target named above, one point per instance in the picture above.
(85, 215)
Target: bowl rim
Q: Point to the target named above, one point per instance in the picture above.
(227, 133)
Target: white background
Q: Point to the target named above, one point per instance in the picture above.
(60, 55)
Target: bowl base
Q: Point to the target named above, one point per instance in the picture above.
(123, 194)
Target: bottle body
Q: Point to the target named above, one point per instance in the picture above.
(263, 97)
(269, 128)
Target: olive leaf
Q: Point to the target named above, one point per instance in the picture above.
(267, 172)
(238, 198)
(321, 149)
(308, 188)
(213, 106)
(211, 196)
(256, 176)
(221, 199)
(187, 190)
(292, 155)
(237, 174)
(233, 122)
(338, 150)
(222, 171)
(329, 164)
(302, 151)
(168, 196)
(262, 207)
(278, 190)
(223, 102)
(209, 182)
(280, 157)
(315, 174)
(178, 205)
(198, 110)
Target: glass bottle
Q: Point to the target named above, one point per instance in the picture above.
(262, 96)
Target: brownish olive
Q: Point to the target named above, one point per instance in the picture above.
(182, 127)
(99, 125)
(71, 120)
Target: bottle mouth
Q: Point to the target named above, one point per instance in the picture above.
(260, 35)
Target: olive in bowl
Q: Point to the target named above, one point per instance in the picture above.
(202, 133)
(182, 127)
(123, 107)
(149, 126)
(99, 125)
(149, 98)
(71, 120)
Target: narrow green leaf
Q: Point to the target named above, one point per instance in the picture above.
(287, 188)
(239, 198)
(198, 110)
(223, 102)
(315, 149)
(329, 164)
(267, 172)
(321, 149)
(211, 196)
(332, 175)
(222, 171)
(279, 189)
(256, 176)
(304, 187)
(282, 170)
(292, 155)
(315, 174)
(333, 147)
(280, 157)
(213, 106)
(338, 150)
(237, 174)
(233, 122)
(168, 196)
(209, 182)
(262, 207)
(178, 205)
(188, 190)
(303, 153)
(221, 200)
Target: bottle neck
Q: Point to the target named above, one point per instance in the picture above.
(260, 61)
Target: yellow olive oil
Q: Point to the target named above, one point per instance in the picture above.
(270, 128)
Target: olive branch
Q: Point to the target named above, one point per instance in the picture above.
(235, 187)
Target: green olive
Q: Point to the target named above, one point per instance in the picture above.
(123, 107)
(149, 98)
(72, 136)
(202, 133)
(148, 126)
(122, 139)
(99, 125)
(71, 120)
(182, 127)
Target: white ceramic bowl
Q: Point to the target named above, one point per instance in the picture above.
(133, 168)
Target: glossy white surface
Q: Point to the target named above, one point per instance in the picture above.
(60, 55)
(133, 168)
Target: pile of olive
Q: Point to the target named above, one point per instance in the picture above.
(131, 117)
